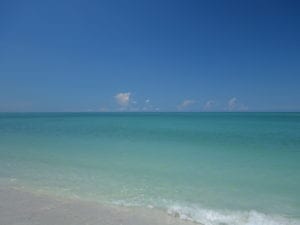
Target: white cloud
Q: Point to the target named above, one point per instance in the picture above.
(232, 103)
(147, 105)
(186, 103)
(209, 105)
(123, 99)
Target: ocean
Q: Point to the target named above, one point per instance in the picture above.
(209, 168)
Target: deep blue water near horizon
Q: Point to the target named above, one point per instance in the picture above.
(213, 168)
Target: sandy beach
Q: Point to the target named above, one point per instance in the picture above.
(18, 207)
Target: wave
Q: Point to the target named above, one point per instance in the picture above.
(183, 210)
(205, 216)
(213, 217)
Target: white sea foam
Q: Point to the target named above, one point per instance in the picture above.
(213, 217)
(206, 216)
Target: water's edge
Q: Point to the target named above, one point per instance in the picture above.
(19, 205)
(174, 213)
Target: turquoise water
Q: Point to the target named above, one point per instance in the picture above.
(212, 168)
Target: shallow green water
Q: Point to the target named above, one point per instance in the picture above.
(214, 168)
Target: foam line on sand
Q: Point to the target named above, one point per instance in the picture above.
(18, 207)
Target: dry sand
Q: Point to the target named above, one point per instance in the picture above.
(18, 207)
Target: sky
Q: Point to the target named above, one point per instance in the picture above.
(166, 55)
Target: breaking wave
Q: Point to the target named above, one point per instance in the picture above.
(213, 217)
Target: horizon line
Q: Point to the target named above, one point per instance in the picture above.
(150, 111)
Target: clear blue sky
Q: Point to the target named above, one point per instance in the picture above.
(139, 55)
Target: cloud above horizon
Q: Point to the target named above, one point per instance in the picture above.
(184, 104)
(123, 99)
(232, 103)
(127, 102)
(147, 105)
(209, 105)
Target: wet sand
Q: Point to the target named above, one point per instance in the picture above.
(18, 207)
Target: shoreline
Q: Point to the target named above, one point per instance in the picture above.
(22, 207)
